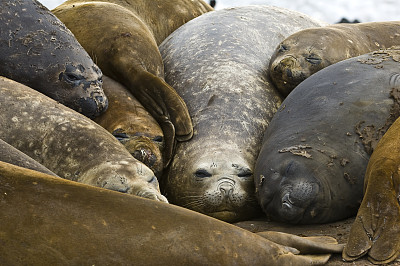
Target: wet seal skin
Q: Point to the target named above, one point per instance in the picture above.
(231, 101)
(70, 144)
(9, 154)
(308, 51)
(36, 49)
(43, 219)
(376, 230)
(315, 151)
(133, 126)
(123, 38)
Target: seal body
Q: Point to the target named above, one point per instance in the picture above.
(310, 50)
(43, 219)
(36, 49)
(316, 149)
(9, 154)
(123, 36)
(218, 65)
(376, 230)
(132, 125)
(70, 144)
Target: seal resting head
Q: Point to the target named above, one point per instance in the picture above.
(218, 183)
(291, 192)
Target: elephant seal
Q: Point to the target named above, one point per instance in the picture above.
(315, 151)
(123, 36)
(9, 154)
(132, 125)
(218, 65)
(36, 49)
(48, 221)
(310, 50)
(376, 230)
(70, 144)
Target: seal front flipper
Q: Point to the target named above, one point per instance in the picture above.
(376, 230)
(167, 107)
(305, 245)
(170, 102)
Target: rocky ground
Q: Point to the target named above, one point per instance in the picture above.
(339, 230)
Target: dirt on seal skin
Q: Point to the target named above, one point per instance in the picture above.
(339, 230)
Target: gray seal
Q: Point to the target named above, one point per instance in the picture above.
(36, 49)
(218, 65)
(315, 151)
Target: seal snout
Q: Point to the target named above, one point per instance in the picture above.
(226, 187)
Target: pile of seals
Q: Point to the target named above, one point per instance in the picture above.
(318, 143)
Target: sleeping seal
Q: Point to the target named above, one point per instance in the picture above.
(70, 144)
(316, 149)
(218, 65)
(310, 50)
(36, 49)
(52, 221)
(122, 36)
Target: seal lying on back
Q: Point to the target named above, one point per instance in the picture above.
(123, 36)
(9, 154)
(316, 149)
(132, 125)
(51, 221)
(218, 65)
(36, 49)
(308, 51)
(376, 230)
(70, 144)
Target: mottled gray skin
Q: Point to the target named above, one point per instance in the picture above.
(11, 155)
(218, 64)
(36, 49)
(316, 149)
(70, 144)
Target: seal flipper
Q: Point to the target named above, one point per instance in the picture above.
(376, 230)
(306, 245)
(172, 104)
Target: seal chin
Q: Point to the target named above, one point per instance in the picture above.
(92, 107)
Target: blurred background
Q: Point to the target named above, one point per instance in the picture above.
(330, 11)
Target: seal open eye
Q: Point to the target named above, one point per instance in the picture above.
(201, 173)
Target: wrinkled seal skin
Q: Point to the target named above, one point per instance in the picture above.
(70, 144)
(122, 36)
(132, 125)
(36, 49)
(9, 154)
(315, 151)
(308, 51)
(217, 63)
(376, 230)
(51, 221)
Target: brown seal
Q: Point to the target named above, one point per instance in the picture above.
(376, 230)
(52, 221)
(9, 154)
(310, 50)
(123, 38)
(132, 125)
(70, 144)
(231, 101)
